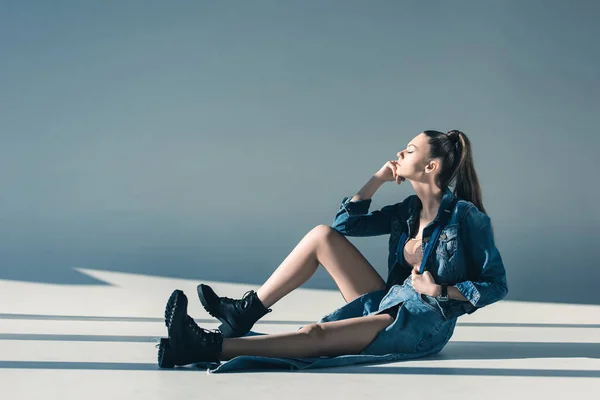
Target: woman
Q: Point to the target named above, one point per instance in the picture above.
(442, 263)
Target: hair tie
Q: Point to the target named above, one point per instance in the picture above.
(454, 136)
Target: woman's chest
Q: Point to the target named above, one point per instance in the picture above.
(444, 260)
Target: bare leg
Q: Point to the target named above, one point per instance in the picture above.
(351, 271)
(347, 336)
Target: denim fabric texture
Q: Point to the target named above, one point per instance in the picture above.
(463, 255)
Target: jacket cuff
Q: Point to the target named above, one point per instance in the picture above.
(359, 207)
(469, 290)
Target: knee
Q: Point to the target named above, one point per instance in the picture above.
(324, 232)
(314, 332)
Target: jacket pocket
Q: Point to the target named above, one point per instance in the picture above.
(448, 242)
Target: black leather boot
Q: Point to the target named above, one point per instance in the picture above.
(237, 316)
(187, 342)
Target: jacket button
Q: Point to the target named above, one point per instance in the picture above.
(425, 240)
(443, 236)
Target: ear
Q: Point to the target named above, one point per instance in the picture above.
(432, 166)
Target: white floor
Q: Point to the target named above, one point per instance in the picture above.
(97, 342)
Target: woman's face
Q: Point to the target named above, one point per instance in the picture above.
(414, 163)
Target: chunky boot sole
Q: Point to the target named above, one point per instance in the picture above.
(170, 307)
(225, 328)
(176, 316)
(164, 354)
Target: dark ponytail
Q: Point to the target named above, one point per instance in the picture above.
(454, 150)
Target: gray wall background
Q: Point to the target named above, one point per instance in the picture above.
(204, 139)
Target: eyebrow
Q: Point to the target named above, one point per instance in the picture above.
(411, 145)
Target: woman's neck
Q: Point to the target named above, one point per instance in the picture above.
(431, 198)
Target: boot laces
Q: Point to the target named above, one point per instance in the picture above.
(246, 298)
(206, 336)
(244, 301)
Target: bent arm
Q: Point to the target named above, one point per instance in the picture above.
(354, 219)
(488, 284)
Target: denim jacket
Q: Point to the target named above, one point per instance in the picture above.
(466, 255)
